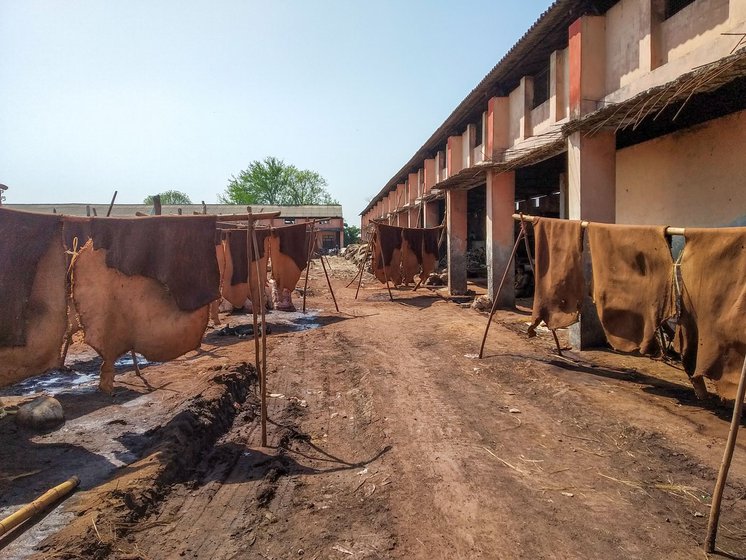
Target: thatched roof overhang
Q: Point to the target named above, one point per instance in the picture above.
(652, 102)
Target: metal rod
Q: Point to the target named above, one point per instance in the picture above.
(584, 224)
(717, 495)
(329, 283)
(250, 251)
(263, 375)
(499, 289)
(309, 254)
(370, 253)
(111, 204)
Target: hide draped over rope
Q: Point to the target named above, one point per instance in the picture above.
(32, 294)
(711, 334)
(632, 283)
(558, 273)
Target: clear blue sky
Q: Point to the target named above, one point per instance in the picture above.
(147, 95)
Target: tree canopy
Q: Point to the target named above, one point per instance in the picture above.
(169, 197)
(273, 182)
(352, 234)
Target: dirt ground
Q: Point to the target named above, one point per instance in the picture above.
(387, 439)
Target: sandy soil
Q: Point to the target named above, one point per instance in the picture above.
(388, 439)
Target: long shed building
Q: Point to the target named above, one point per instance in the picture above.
(627, 111)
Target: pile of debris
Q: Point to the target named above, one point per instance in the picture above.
(356, 253)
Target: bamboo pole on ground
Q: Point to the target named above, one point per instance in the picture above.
(38, 505)
(500, 287)
(717, 495)
(111, 204)
(263, 375)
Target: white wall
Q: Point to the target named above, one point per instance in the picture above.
(694, 177)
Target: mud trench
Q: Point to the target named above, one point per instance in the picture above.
(387, 440)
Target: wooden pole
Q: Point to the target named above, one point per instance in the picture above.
(157, 205)
(329, 283)
(309, 253)
(584, 224)
(372, 263)
(250, 251)
(717, 495)
(263, 376)
(499, 289)
(38, 505)
(111, 204)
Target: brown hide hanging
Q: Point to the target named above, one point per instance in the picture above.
(558, 270)
(239, 255)
(235, 287)
(377, 260)
(293, 242)
(289, 254)
(411, 253)
(390, 242)
(632, 283)
(178, 251)
(24, 239)
(122, 313)
(74, 228)
(430, 251)
(711, 335)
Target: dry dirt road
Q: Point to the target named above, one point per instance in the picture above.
(387, 439)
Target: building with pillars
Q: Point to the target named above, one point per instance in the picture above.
(626, 111)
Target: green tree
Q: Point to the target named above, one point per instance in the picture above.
(273, 182)
(307, 188)
(170, 197)
(352, 234)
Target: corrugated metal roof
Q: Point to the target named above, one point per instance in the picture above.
(527, 56)
(321, 211)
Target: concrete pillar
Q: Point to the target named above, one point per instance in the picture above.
(413, 192)
(430, 217)
(591, 193)
(454, 155)
(428, 177)
(500, 189)
(557, 84)
(591, 160)
(441, 167)
(341, 239)
(456, 236)
(497, 127)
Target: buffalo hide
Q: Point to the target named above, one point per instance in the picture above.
(236, 277)
(42, 322)
(632, 283)
(713, 306)
(559, 280)
(289, 250)
(120, 313)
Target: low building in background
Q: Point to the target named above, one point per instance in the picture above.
(330, 222)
